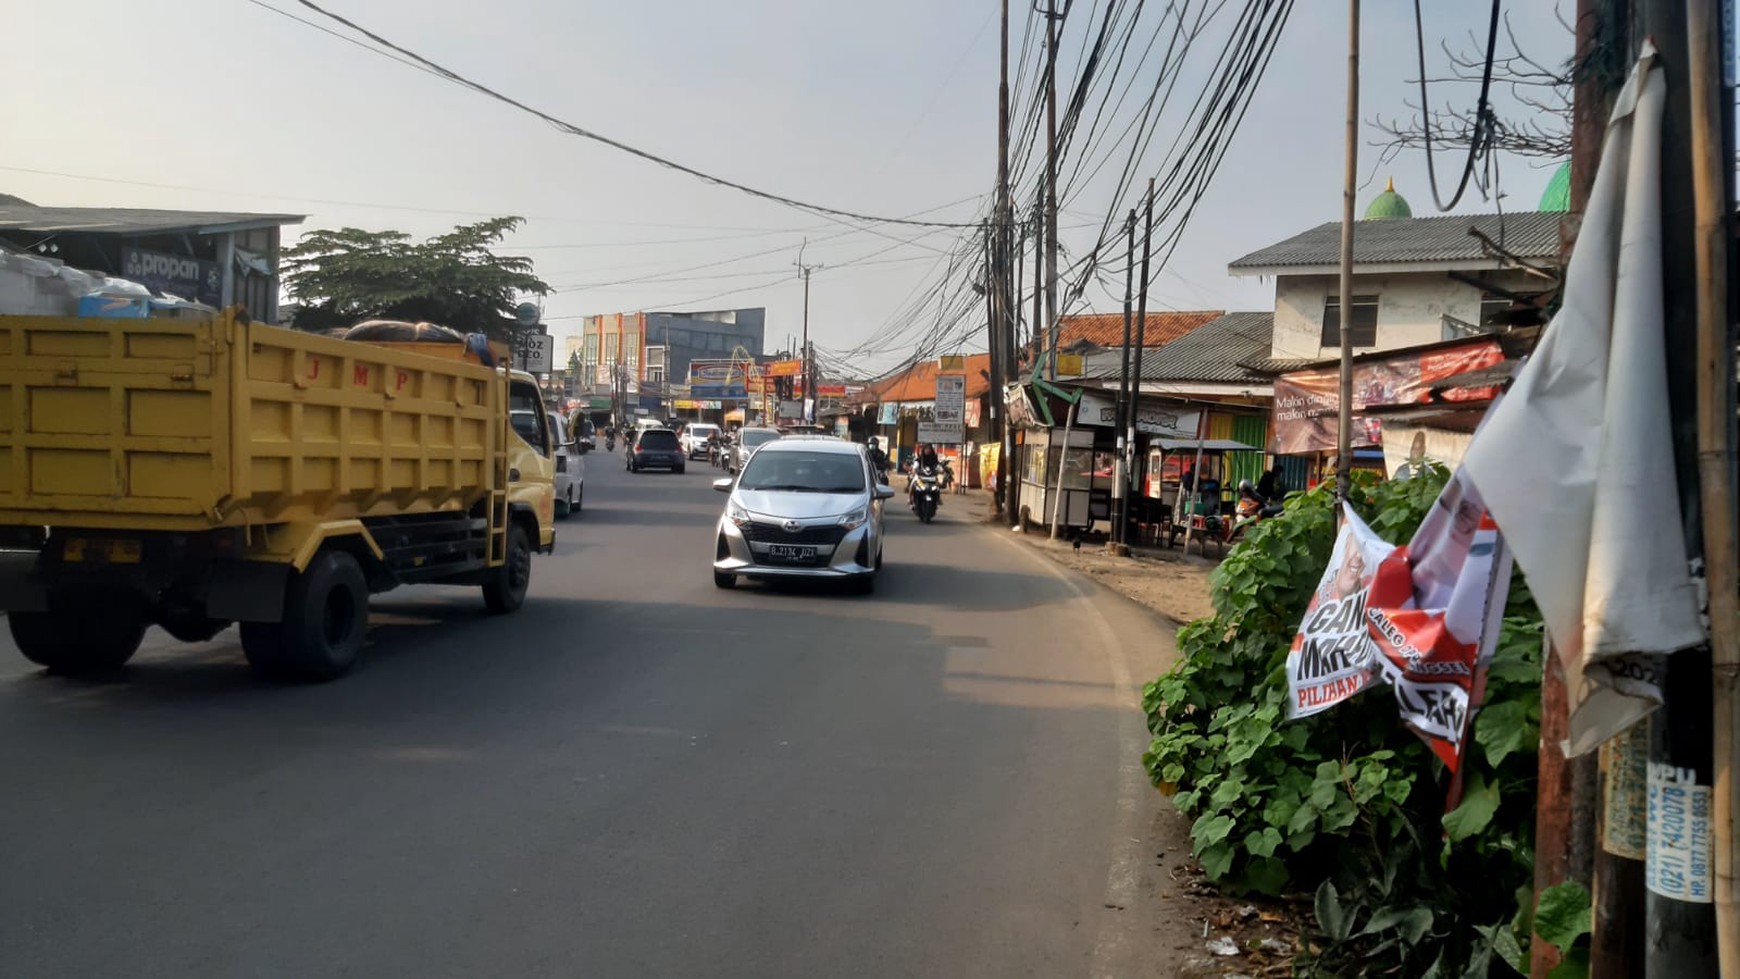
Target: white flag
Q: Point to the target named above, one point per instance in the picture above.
(1576, 465)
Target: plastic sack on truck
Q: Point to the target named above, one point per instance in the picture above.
(32, 286)
(116, 299)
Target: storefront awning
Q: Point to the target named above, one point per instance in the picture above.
(1208, 445)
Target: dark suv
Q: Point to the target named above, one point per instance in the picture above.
(657, 448)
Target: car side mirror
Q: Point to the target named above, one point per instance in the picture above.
(723, 485)
(884, 491)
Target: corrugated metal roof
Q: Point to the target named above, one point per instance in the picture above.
(1213, 352)
(16, 215)
(1397, 241)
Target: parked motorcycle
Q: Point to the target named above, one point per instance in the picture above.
(926, 492)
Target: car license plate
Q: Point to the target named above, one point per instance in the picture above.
(792, 553)
(90, 551)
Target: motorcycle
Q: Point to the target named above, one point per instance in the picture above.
(610, 443)
(925, 493)
(1251, 511)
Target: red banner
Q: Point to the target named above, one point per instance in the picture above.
(1307, 402)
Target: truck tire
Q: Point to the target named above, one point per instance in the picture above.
(73, 643)
(326, 617)
(506, 590)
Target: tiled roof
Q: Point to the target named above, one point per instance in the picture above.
(918, 382)
(1213, 352)
(1397, 241)
(1107, 329)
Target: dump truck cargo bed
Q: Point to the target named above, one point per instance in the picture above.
(190, 425)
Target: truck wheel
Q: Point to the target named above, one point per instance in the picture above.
(92, 641)
(506, 591)
(326, 616)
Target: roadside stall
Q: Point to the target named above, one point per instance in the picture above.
(1193, 480)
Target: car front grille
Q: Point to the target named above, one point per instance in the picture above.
(767, 533)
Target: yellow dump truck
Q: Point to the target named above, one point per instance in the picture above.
(194, 473)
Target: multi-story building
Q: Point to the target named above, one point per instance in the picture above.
(655, 347)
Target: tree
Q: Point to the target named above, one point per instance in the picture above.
(1541, 91)
(345, 276)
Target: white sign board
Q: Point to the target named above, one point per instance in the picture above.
(536, 352)
(951, 399)
(937, 434)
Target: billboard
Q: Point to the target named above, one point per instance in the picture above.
(1307, 402)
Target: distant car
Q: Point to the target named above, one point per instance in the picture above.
(694, 438)
(657, 448)
(570, 469)
(747, 441)
(807, 508)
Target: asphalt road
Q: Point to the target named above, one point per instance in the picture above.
(636, 775)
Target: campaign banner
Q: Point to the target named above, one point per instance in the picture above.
(1307, 402)
(1434, 612)
(783, 368)
(1332, 656)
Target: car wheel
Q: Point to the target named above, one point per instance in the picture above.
(864, 584)
(724, 579)
(680, 470)
(563, 508)
(579, 500)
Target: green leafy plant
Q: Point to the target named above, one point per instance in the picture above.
(1349, 803)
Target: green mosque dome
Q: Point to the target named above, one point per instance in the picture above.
(1388, 205)
(1557, 196)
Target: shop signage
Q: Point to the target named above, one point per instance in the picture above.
(783, 368)
(1151, 419)
(889, 414)
(177, 275)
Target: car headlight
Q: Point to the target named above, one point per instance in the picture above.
(855, 519)
(736, 514)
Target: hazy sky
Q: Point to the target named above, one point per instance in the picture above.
(887, 108)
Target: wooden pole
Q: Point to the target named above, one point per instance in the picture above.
(1349, 185)
(1712, 205)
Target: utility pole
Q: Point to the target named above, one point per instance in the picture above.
(806, 353)
(1126, 411)
(1344, 306)
(1002, 329)
(1680, 931)
(1141, 330)
(1608, 856)
(1052, 16)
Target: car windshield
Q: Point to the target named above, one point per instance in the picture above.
(657, 440)
(803, 472)
(756, 436)
(702, 431)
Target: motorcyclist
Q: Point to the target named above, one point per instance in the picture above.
(1251, 502)
(878, 458)
(923, 461)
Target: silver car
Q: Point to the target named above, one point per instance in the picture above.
(802, 508)
(744, 444)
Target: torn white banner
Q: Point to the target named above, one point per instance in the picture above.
(1576, 465)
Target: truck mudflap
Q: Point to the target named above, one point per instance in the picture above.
(247, 591)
